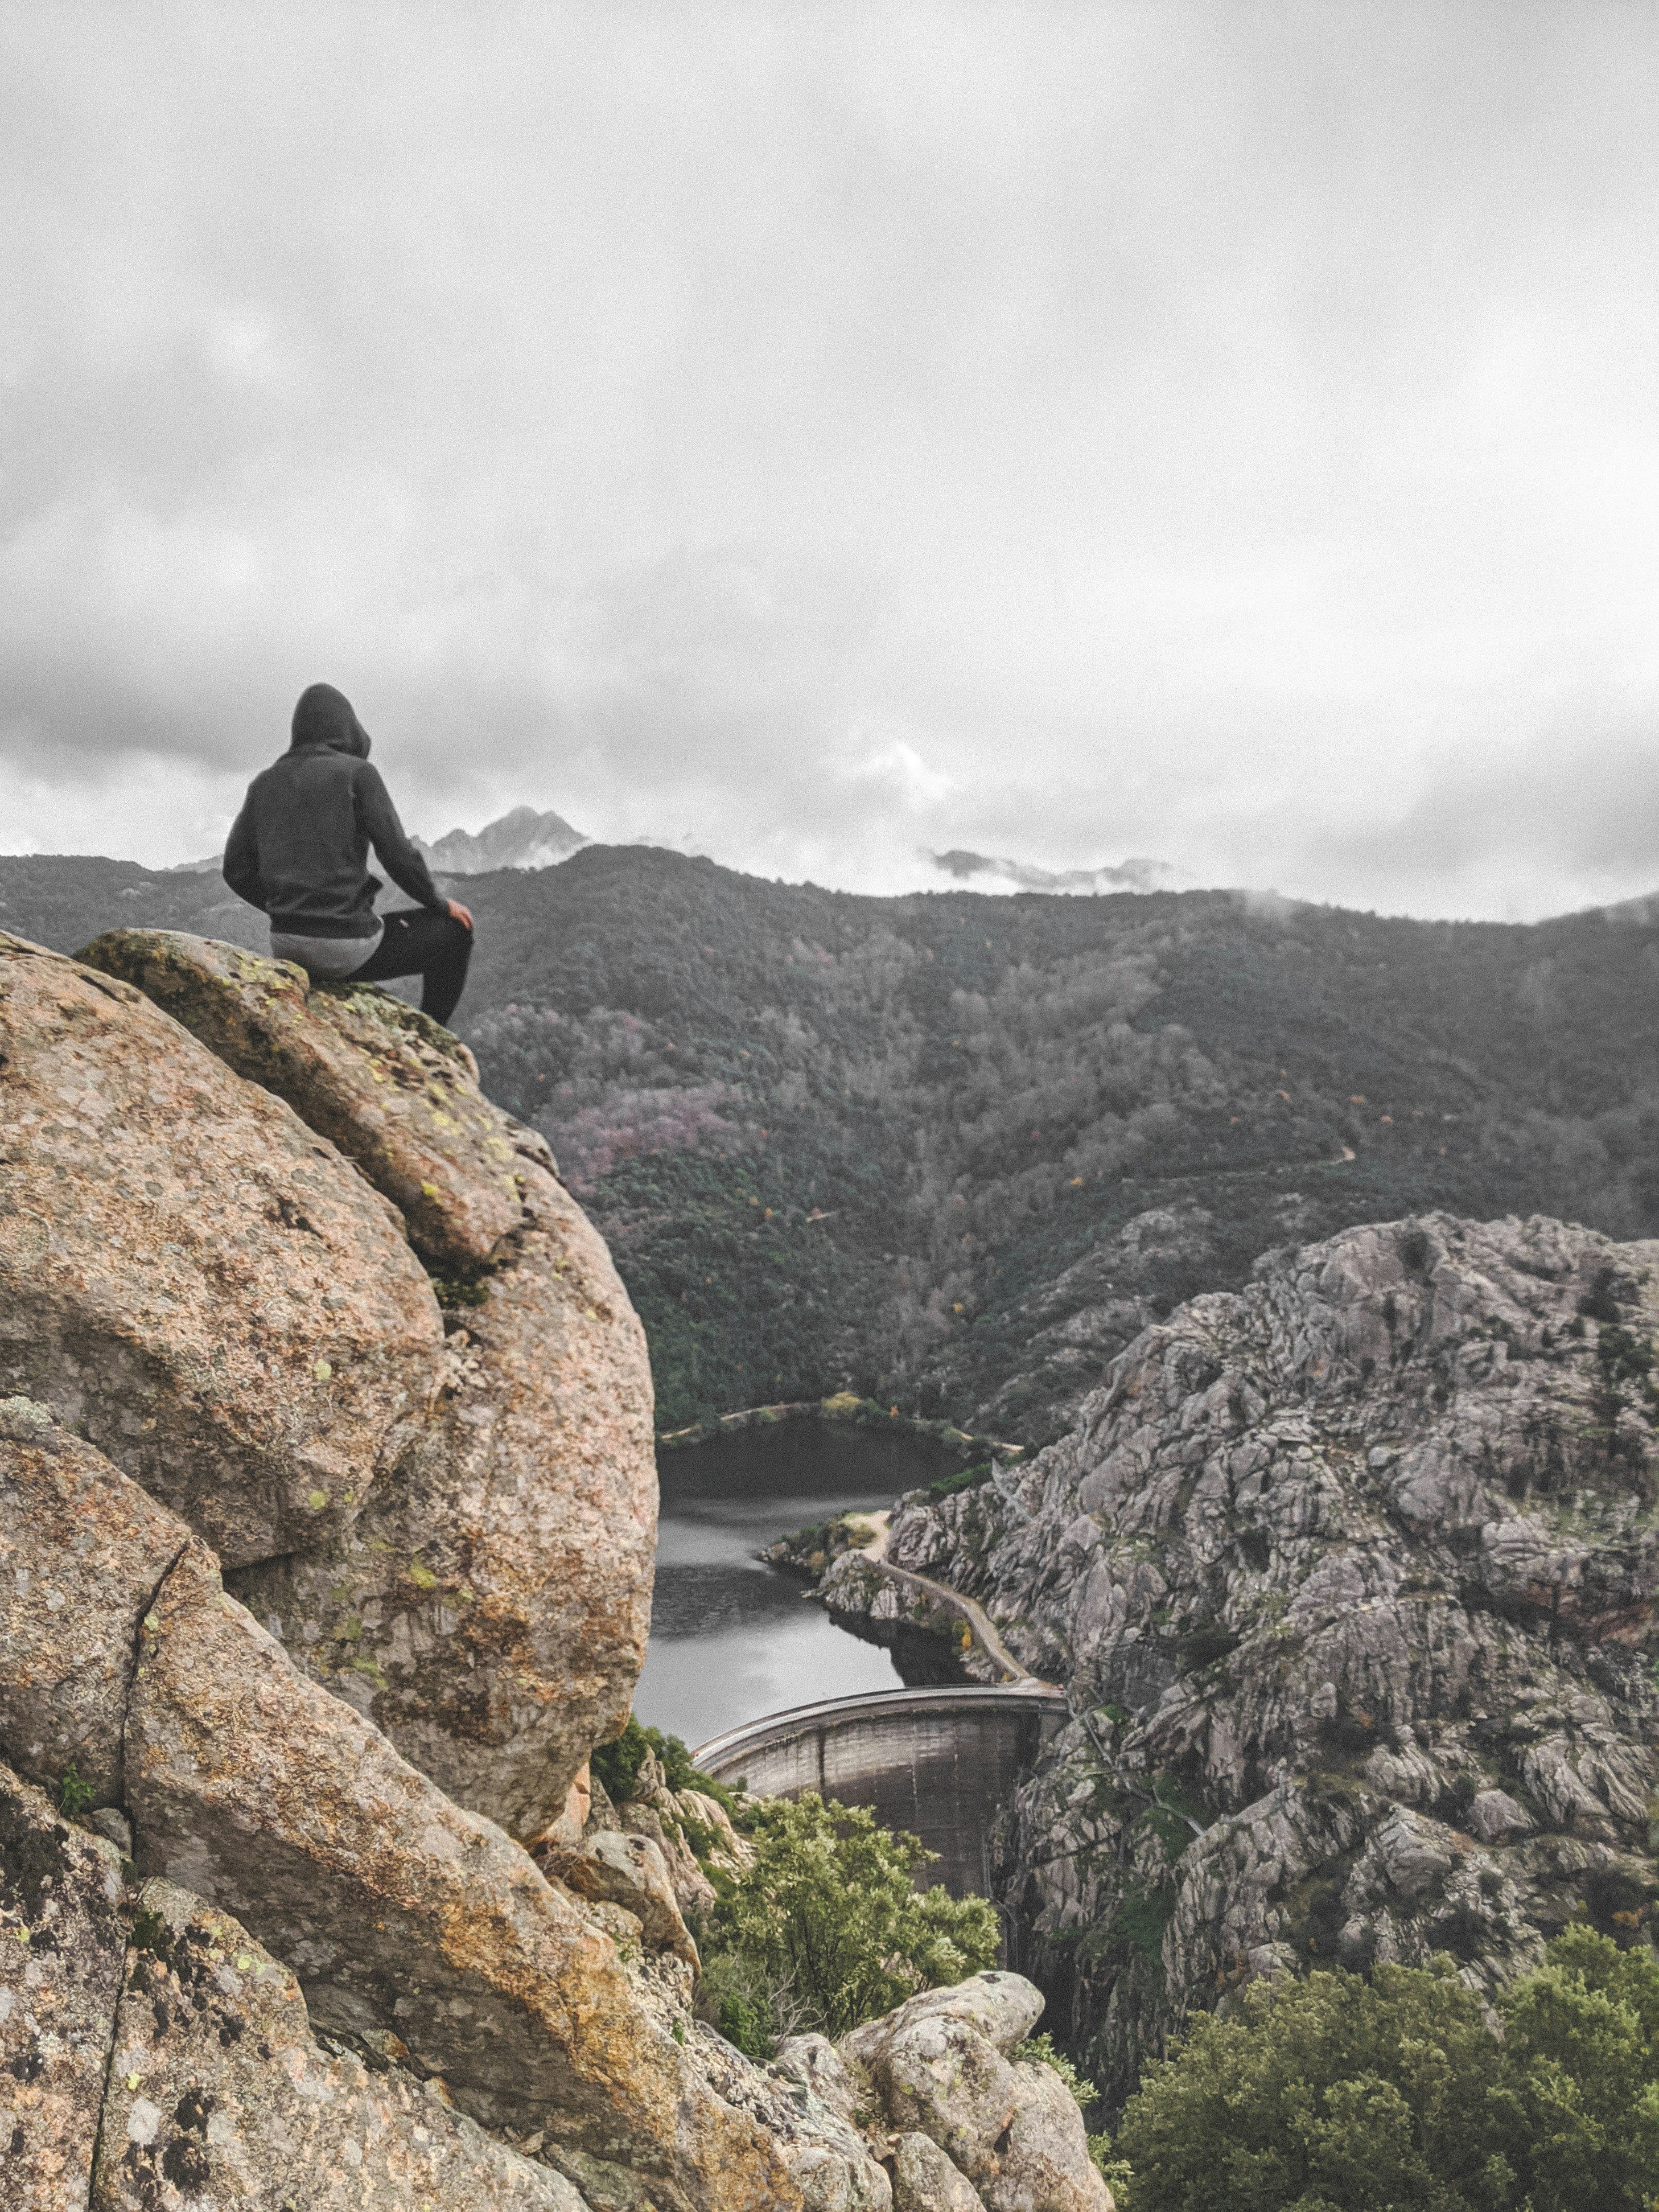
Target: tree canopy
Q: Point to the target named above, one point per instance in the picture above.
(827, 1928)
(1397, 2092)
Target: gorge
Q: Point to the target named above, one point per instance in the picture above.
(326, 1517)
(1325, 1497)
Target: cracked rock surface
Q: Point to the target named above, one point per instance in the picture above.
(83, 1553)
(218, 2093)
(1350, 1575)
(488, 1606)
(191, 1275)
(396, 1093)
(489, 1609)
(61, 1933)
(399, 1913)
(291, 1958)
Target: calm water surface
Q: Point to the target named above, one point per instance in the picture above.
(731, 1639)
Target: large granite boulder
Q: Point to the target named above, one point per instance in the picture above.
(152, 2054)
(399, 1911)
(82, 1553)
(63, 1931)
(191, 1276)
(396, 1092)
(491, 1611)
(218, 2095)
(489, 1608)
(945, 2066)
(401, 1914)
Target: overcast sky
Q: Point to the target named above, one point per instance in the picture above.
(1224, 433)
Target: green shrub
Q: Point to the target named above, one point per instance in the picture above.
(827, 1929)
(1337, 2093)
(617, 1765)
(1042, 2049)
(736, 1995)
(74, 1796)
(966, 1478)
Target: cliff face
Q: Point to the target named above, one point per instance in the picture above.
(219, 1345)
(327, 1511)
(1350, 1577)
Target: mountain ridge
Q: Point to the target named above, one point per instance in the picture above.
(950, 1150)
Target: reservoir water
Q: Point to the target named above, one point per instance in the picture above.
(730, 1638)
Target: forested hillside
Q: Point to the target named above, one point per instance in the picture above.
(950, 1150)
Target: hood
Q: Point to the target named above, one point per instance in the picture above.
(326, 721)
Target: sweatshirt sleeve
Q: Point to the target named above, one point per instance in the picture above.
(241, 860)
(378, 817)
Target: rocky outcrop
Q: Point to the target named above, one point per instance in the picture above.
(299, 1872)
(271, 1947)
(1350, 1576)
(488, 1605)
(395, 1092)
(400, 1913)
(491, 1611)
(62, 1932)
(154, 2055)
(191, 1275)
(945, 2067)
(219, 2094)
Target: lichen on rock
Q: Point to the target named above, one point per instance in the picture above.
(489, 1605)
(396, 1092)
(304, 1960)
(490, 1609)
(191, 1275)
(63, 1931)
(218, 2093)
(1350, 1575)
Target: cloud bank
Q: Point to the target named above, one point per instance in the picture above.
(828, 434)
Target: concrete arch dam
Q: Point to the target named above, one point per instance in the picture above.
(941, 1762)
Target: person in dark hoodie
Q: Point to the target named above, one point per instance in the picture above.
(299, 850)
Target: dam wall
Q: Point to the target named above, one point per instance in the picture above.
(940, 1762)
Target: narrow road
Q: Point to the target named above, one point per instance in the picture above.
(980, 1623)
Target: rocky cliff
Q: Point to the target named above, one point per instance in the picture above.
(1350, 1578)
(328, 1511)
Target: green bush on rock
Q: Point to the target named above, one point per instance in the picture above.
(617, 1764)
(1337, 2093)
(826, 1928)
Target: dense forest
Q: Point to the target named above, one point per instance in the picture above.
(953, 1150)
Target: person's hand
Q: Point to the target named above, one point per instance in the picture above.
(459, 913)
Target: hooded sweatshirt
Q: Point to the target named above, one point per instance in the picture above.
(299, 847)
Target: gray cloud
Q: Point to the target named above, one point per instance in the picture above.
(1062, 430)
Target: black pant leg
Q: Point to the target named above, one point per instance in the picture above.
(434, 946)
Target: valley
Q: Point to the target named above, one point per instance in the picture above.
(954, 1150)
(1344, 1572)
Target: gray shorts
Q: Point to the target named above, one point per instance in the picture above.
(327, 957)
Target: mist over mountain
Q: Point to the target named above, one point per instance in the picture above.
(957, 1148)
(1131, 875)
